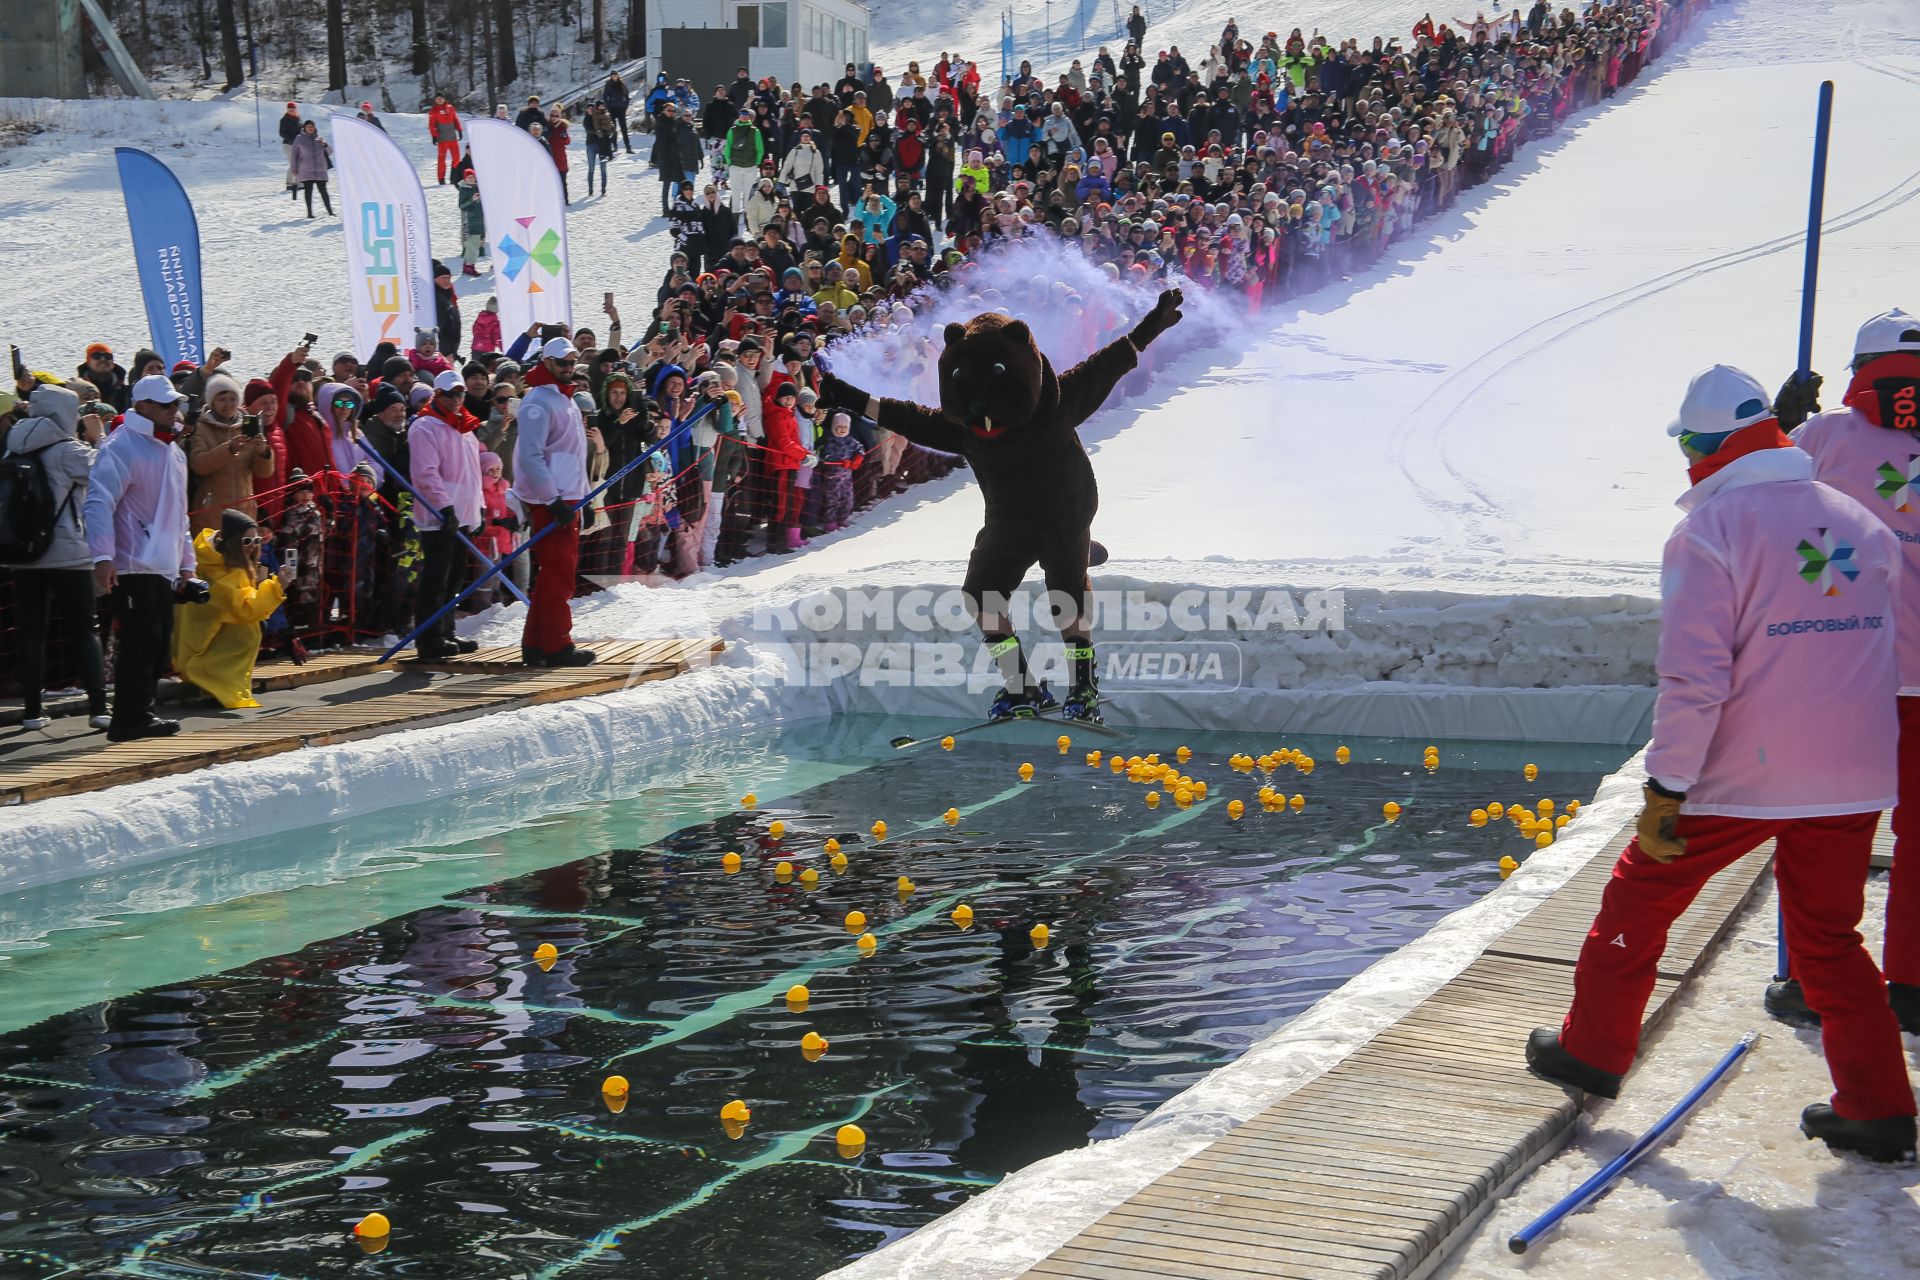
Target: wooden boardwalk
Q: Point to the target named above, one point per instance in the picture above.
(487, 681)
(1377, 1168)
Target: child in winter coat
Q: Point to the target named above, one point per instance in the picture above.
(785, 456)
(486, 329)
(840, 457)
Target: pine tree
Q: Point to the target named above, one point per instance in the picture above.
(503, 31)
(636, 28)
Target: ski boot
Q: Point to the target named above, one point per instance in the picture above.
(1083, 703)
(1023, 704)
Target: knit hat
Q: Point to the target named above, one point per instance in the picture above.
(786, 390)
(299, 479)
(257, 389)
(490, 460)
(346, 356)
(234, 523)
(385, 398)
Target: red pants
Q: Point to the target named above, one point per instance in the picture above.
(1820, 865)
(787, 500)
(1901, 954)
(549, 626)
(446, 153)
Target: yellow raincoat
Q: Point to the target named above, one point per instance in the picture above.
(215, 644)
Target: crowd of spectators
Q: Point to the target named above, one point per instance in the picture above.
(800, 217)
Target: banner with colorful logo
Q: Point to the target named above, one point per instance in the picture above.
(166, 251)
(526, 211)
(389, 260)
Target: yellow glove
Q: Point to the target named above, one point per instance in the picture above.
(1656, 825)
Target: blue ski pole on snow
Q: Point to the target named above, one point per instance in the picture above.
(499, 565)
(1816, 203)
(361, 442)
(1602, 1182)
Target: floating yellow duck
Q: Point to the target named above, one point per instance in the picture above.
(1183, 754)
(1496, 809)
(879, 829)
(730, 863)
(850, 1140)
(856, 921)
(832, 846)
(1234, 809)
(867, 943)
(950, 817)
(904, 886)
(1026, 773)
(1063, 742)
(1532, 771)
(736, 1111)
(813, 1042)
(776, 829)
(797, 997)
(838, 862)
(544, 955)
(1478, 817)
(962, 915)
(749, 800)
(783, 870)
(1391, 810)
(373, 1227)
(946, 743)
(1040, 935)
(1342, 755)
(1153, 799)
(809, 877)
(1298, 803)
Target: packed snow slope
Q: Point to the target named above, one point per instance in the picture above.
(1481, 411)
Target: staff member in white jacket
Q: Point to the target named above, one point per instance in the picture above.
(549, 477)
(142, 544)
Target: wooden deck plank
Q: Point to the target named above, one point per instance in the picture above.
(1391, 1155)
(94, 766)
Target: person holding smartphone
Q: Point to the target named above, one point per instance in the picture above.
(229, 454)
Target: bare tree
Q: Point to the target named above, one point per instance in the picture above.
(422, 51)
(636, 28)
(599, 31)
(229, 43)
(200, 37)
(509, 68)
(336, 44)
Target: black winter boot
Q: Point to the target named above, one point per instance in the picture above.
(1550, 1061)
(1885, 1141)
(1787, 1003)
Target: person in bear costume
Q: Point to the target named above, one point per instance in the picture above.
(1016, 421)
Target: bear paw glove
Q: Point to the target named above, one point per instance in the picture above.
(837, 394)
(1165, 314)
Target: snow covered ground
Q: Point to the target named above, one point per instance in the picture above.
(1740, 1193)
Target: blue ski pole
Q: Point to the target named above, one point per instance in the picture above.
(465, 541)
(1602, 1182)
(499, 565)
(1816, 204)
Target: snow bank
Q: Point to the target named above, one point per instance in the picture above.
(146, 821)
(1036, 1210)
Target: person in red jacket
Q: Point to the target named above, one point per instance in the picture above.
(306, 435)
(785, 455)
(443, 126)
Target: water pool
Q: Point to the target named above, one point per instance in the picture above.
(272, 1040)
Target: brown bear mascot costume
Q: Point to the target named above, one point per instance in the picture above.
(1016, 421)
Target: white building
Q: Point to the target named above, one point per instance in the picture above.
(809, 41)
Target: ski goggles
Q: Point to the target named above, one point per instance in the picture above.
(1704, 443)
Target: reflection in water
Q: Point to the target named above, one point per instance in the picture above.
(426, 1067)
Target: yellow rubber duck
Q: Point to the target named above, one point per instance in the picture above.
(1153, 799)
(1496, 809)
(950, 817)
(1026, 773)
(1234, 809)
(783, 871)
(946, 743)
(1478, 817)
(544, 955)
(1342, 754)
(856, 921)
(776, 829)
(962, 915)
(1040, 935)
(904, 887)
(867, 943)
(749, 800)
(813, 1042)
(809, 877)
(373, 1227)
(730, 863)
(736, 1111)
(1298, 803)
(615, 1086)
(1064, 743)
(879, 829)
(1532, 771)
(1391, 810)
(1182, 754)
(832, 846)
(798, 996)
(838, 861)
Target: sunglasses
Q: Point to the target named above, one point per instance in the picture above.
(253, 541)
(101, 355)
(564, 364)
(345, 403)
(502, 399)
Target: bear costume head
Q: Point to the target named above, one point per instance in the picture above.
(993, 377)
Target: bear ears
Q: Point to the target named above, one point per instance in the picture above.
(1014, 329)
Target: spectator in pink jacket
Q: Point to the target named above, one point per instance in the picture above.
(1775, 720)
(445, 461)
(1869, 449)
